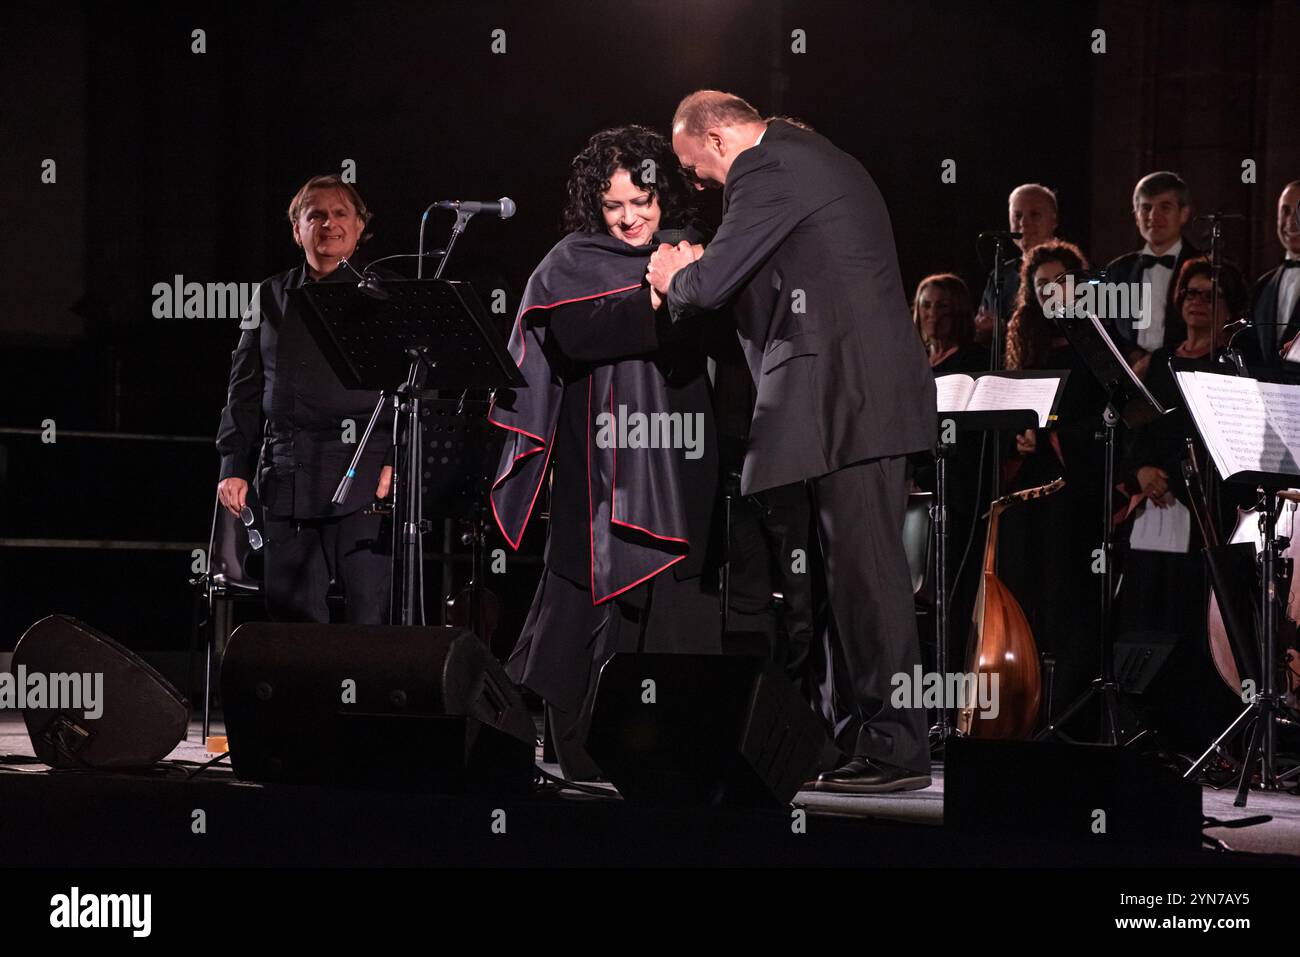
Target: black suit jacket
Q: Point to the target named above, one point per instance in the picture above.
(1262, 343)
(805, 253)
(1128, 268)
(283, 390)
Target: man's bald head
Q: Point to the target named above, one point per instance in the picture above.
(706, 109)
(710, 129)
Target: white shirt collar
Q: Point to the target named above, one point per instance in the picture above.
(1173, 250)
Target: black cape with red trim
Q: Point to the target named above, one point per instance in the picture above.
(637, 514)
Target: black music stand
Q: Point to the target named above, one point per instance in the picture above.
(996, 421)
(406, 339)
(1127, 400)
(462, 451)
(1264, 711)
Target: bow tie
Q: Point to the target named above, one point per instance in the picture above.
(1148, 261)
(1291, 263)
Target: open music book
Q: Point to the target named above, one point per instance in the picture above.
(1251, 427)
(1001, 392)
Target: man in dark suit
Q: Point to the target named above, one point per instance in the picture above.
(1275, 296)
(1161, 209)
(805, 256)
(281, 383)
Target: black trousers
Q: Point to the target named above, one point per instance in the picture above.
(566, 639)
(867, 623)
(303, 555)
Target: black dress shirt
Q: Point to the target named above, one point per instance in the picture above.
(286, 414)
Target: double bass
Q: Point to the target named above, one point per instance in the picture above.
(1002, 643)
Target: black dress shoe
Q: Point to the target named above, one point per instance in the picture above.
(870, 776)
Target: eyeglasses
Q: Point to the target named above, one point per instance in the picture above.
(1205, 295)
(254, 536)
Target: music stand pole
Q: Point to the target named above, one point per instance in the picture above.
(1104, 686)
(998, 353)
(942, 729)
(1265, 706)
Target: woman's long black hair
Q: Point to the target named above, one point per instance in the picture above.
(648, 158)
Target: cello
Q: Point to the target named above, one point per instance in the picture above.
(1001, 642)
(1246, 532)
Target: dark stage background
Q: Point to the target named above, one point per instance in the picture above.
(173, 162)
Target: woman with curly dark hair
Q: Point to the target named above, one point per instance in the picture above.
(618, 413)
(1047, 545)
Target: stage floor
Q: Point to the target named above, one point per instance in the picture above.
(78, 818)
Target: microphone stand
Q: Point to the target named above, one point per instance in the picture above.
(998, 359)
(410, 402)
(462, 218)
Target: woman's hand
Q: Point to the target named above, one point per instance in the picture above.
(1027, 442)
(1154, 483)
(385, 482)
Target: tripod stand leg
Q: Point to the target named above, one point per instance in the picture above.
(1252, 755)
(1069, 712)
(1228, 732)
(1110, 714)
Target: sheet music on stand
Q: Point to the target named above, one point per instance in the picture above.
(1000, 401)
(1250, 426)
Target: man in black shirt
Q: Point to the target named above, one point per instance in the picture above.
(1031, 211)
(290, 425)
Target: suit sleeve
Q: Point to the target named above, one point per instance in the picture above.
(605, 329)
(239, 436)
(761, 213)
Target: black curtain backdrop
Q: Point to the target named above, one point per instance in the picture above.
(171, 162)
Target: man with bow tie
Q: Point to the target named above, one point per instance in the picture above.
(1275, 296)
(1161, 209)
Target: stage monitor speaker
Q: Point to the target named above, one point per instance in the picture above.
(409, 708)
(702, 730)
(141, 717)
(1068, 793)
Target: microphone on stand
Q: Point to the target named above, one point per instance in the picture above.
(1001, 234)
(503, 207)
(464, 209)
(1234, 329)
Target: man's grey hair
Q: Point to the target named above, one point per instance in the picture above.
(1035, 189)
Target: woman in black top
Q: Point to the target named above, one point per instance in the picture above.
(945, 320)
(1166, 592)
(944, 316)
(1047, 546)
(622, 412)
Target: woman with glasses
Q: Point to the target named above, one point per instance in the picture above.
(1165, 591)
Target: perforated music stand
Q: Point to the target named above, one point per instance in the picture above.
(406, 339)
